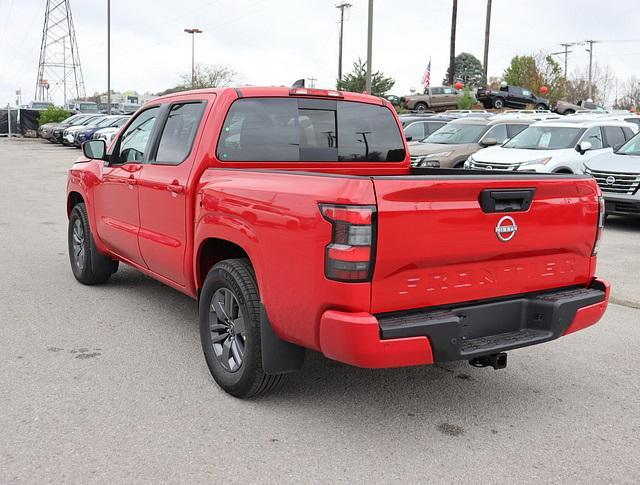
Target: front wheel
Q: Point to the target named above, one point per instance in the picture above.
(89, 266)
(498, 103)
(230, 329)
(541, 106)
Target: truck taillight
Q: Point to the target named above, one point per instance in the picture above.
(601, 216)
(350, 254)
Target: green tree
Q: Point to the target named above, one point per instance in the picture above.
(533, 72)
(466, 101)
(524, 72)
(53, 114)
(355, 81)
(468, 69)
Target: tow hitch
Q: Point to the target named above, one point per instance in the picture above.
(497, 361)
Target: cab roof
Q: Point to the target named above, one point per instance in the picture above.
(278, 91)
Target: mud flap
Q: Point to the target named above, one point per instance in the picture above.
(278, 356)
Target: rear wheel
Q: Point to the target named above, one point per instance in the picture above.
(89, 266)
(498, 103)
(541, 106)
(230, 330)
(569, 112)
(421, 107)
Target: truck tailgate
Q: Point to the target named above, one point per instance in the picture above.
(436, 245)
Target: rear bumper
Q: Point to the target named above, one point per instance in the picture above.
(460, 333)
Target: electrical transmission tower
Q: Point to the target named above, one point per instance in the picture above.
(59, 70)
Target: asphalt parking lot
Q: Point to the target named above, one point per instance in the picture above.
(108, 384)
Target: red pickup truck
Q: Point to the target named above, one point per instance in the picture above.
(294, 218)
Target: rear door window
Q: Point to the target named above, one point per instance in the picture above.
(296, 129)
(178, 133)
(613, 135)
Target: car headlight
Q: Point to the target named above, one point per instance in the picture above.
(439, 154)
(422, 162)
(538, 161)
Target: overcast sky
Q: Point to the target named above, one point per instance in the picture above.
(275, 42)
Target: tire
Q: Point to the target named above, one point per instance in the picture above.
(229, 312)
(89, 266)
(421, 107)
(541, 106)
(568, 112)
(498, 103)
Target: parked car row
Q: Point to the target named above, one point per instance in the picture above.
(606, 146)
(82, 127)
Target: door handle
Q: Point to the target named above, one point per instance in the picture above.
(175, 187)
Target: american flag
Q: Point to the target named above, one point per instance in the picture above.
(426, 78)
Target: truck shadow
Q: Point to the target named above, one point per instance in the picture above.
(325, 389)
(623, 223)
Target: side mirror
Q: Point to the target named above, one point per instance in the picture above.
(488, 142)
(94, 149)
(583, 146)
(408, 138)
(617, 147)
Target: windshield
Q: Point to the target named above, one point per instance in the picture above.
(40, 105)
(632, 147)
(456, 134)
(93, 121)
(545, 138)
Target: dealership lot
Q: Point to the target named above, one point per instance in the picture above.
(108, 383)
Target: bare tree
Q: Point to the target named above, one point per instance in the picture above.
(629, 96)
(603, 82)
(210, 76)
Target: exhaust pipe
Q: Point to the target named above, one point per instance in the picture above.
(497, 361)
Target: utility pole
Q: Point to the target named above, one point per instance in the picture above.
(312, 82)
(590, 50)
(108, 56)
(487, 30)
(369, 46)
(564, 53)
(452, 49)
(193, 33)
(566, 56)
(342, 7)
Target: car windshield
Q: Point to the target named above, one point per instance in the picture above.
(40, 105)
(456, 134)
(545, 138)
(94, 121)
(632, 147)
(103, 122)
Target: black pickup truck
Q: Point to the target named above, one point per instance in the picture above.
(510, 97)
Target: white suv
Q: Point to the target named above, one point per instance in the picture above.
(555, 146)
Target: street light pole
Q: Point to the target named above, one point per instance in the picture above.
(369, 47)
(108, 56)
(193, 47)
